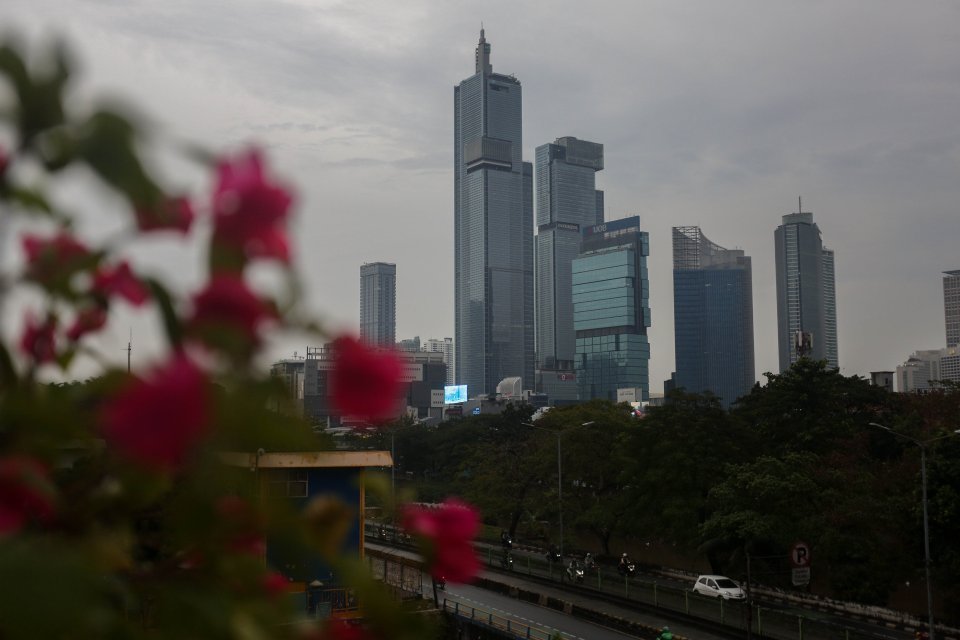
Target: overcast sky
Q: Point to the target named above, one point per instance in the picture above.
(716, 114)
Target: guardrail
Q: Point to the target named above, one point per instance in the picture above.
(479, 616)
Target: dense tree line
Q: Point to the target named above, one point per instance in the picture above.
(795, 459)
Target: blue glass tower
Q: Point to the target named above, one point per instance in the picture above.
(611, 310)
(493, 231)
(713, 316)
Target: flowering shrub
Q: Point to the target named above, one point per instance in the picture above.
(117, 518)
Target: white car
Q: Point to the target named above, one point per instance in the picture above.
(719, 587)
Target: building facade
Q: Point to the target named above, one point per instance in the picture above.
(444, 346)
(951, 306)
(713, 317)
(924, 369)
(493, 231)
(567, 201)
(806, 294)
(378, 303)
(611, 310)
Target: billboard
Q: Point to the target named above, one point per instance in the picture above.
(455, 394)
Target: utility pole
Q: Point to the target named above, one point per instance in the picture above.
(749, 598)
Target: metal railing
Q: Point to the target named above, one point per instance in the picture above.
(479, 616)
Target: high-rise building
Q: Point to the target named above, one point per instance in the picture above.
(951, 306)
(444, 346)
(713, 316)
(924, 369)
(567, 201)
(611, 310)
(378, 303)
(806, 295)
(493, 231)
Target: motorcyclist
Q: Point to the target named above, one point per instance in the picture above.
(624, 561)
(505, 539)
(588, 562)
(665, 634)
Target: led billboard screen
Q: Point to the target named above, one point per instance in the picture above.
(455, 394)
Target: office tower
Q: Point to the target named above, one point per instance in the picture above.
(806, 297)
(567, 201)
(493, 231)
(378, 303)
(444, 346)
(409, 344)
(713, 316)
(951, 306)
(924, 369)
(611, 310)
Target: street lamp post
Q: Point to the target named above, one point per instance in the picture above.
(926, 526)
(559, 475)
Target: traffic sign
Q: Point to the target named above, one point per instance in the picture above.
(800, 576)
(800, 555)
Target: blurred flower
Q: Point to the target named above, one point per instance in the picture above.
(275, 584)
(249, 211)
(26, 493)
(243, 525)
(365, 382)
(120, 281)
(448, 532)
(174, 214)
(156, 421)
(343, 630)
(38, 340)
(227, 303)
(88, 320)
(52, 258)
(4, 162)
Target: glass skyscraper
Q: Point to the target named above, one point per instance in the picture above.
(611, 310)
(378, 303)
(806, 293)
(567, 201)
(951, 306)
(493, 231)
(713, 317)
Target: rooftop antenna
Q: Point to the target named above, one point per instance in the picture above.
(129, 349)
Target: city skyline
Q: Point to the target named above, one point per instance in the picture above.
(700, 124)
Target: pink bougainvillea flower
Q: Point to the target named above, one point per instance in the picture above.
(158, 420)
(38, 340)
(275, 584)
(26, 493)
(173, 214)
(120, 281)
(249, 211)
(228, 304)
(88, 320)
(4, 162)
(365, 382)
(50, 258)
(243, 526)
(448, 532)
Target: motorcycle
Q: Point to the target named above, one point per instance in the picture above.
(626, 567)
(553, 555)
(506, 561)
(506, 541)
(589, 564)
(575, 572)
(441, 583)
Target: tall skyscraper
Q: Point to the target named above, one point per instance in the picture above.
(611, 310)
(806, 295)
(567, 201)
(444, 346)
(493, 231)
(951, 306)
(378, 303)
(713, 316)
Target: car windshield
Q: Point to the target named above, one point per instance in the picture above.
(726, 583)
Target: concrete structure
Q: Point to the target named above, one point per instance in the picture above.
(493, 231)
(409, 344)
(378, 303)
(611, 310)
(882, 379)
(444, 346)
(951, 306)
(297, 478)
(567, 201)
(713, 317)
(923, 369)
(806, 297)
(290, 370)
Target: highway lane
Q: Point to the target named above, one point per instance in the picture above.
(548, 620)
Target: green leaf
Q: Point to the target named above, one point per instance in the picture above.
(171, 322)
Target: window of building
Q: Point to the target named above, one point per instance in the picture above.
(287, 483)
